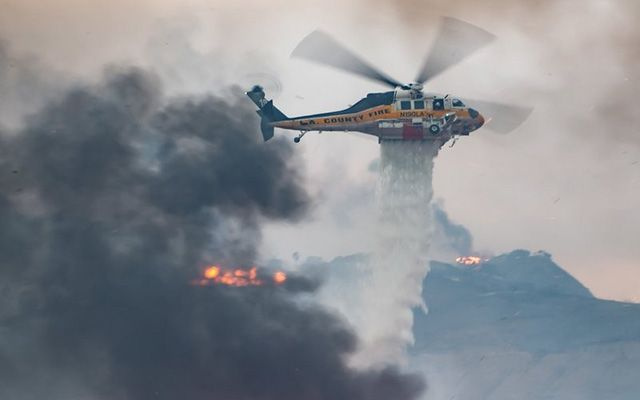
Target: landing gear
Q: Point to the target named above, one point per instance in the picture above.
(434, 129)
(297, 138)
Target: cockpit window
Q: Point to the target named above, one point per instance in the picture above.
(405, 105)
(457, 103)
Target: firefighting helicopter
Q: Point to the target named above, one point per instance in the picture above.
(406, 112)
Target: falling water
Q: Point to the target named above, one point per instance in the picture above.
(399, 262)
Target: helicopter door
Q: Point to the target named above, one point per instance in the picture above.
(438, 104)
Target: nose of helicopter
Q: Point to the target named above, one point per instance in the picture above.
(478, 119)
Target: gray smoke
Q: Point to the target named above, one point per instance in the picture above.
(599, 39)
(112, 199)
(23, 85)
(450, 239)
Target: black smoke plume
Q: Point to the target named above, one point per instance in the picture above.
(112, 199)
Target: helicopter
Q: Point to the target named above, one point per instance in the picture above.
(407, 112)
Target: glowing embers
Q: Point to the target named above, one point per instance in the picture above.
(470, 260)
(238, 277)
(279, 277)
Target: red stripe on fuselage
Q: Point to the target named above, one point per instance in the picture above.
(411, 132)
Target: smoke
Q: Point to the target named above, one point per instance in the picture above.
(112, 199)
(600, 39)
(450, 239)
(399, 262)
(23, 85)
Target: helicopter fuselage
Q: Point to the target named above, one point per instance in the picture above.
(396, 115)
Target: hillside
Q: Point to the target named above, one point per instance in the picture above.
(519, 327)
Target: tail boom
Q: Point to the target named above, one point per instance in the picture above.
(268, 113)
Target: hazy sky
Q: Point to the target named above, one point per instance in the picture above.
(567, 181)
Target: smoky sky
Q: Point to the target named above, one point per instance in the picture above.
(593, 53)
(23, 83)
(448, 236)
(112, 199)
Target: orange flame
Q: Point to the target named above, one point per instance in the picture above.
(470, 260)
(238, 277)
(212, 272)
(279, 277)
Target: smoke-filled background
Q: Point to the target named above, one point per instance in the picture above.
(130, 160)
(114, 198)
(568, 177)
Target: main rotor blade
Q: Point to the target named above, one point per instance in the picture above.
(455, 41)
(322, 48)
(499, 117)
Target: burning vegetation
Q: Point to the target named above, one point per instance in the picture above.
(238, 277)
(471, 260)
